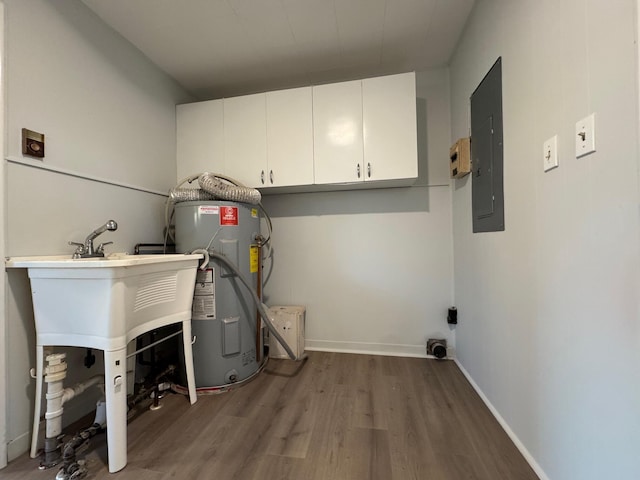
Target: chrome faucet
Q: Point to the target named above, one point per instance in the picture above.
(86, 250)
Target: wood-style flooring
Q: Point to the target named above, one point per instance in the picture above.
(333, 417)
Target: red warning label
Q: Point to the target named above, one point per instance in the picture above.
(228, 215)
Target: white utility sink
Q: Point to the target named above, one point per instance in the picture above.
(105, 303)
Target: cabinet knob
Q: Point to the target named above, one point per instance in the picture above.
(262, 177)
(271, 176)
(369, 170)
(358, 170)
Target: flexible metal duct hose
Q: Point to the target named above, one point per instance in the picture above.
(224, 191)
(177, 195)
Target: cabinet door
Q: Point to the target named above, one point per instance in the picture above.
(199, 138)
(390, 137)
(289, 137)
(337, 132)
(245, 139)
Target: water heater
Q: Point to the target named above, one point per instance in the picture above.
(228, 341)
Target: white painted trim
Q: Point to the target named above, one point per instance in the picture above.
(51, 168)
(19, 445)
(505, 426)
(391, 350)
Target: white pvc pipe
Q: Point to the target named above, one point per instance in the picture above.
(57, 395)
(53, 414)
(76, 390)
(56, 398)
(55, 373)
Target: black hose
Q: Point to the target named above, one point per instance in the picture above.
(70, 467)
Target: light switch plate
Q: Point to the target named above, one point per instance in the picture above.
(550, 153)
(586, 136)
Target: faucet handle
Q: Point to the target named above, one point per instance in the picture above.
(80, 246)
(100, 248)
(80, 249)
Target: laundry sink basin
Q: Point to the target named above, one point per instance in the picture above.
(106, 302)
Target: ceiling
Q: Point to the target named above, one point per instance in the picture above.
(221, 48)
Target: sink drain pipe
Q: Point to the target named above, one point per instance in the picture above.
(55, 372)
(72, 468)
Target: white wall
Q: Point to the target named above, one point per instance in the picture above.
(373, 268)
(106, 113)
(3, 340)
(549, 326)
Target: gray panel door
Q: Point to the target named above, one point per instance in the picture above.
(486, 153)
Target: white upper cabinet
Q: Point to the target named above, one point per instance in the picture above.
(289, 138)
(344, 134)
(245, 139)
(337, 133)
(390, 135)
(199, 138)
(365, 130)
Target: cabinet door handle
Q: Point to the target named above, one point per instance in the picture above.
(358, 170)
(271, 176)
(262, 177)
(369, 170)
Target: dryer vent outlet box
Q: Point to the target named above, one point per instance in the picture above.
(289, 322)
(437, 348)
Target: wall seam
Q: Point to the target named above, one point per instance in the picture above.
(83, 176)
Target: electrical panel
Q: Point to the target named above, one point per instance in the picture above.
(487, 192)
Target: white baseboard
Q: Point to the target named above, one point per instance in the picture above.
(18, 446)
(391, 350)
(505, 426)
(385, 349)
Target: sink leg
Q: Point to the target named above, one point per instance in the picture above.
(38, 404)
(188, 360)
(115, 378)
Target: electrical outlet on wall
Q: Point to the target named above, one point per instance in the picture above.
(550, 153)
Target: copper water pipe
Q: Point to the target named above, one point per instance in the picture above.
(259, 292)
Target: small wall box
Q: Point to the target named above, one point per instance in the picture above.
(460, 157)
(289, 321)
